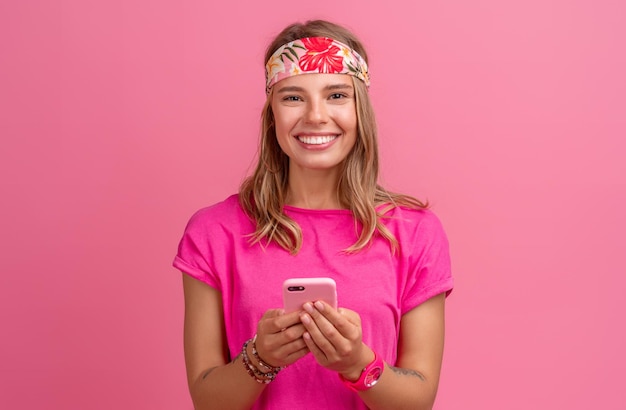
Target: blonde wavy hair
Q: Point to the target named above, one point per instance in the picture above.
(262, 195)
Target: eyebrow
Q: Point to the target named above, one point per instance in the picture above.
(330, 87)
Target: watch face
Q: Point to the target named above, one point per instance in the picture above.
(372, 376)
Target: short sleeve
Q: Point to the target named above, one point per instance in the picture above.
(196, 249)
(430, 269)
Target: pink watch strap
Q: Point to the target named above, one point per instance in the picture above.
(369, 376)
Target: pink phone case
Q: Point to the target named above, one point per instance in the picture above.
(298, 291)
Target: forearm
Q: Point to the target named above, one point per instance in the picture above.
(228, 386)
(413, 384)
(400, 388)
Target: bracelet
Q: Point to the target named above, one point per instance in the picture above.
(262, 364)
(256, 374)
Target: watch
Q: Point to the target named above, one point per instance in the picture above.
(369, 376)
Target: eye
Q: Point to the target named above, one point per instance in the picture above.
(292, 98)
(337, 96)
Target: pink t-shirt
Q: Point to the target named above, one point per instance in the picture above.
(378, 285)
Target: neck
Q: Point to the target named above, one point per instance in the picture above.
(313, 189)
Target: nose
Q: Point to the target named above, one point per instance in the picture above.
(317, 112)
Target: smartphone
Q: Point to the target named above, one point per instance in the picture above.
(298, 291)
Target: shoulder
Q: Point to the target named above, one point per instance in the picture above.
(209, 240)
(227, 207)
(225, 215)
(416, 230)
(412, 219)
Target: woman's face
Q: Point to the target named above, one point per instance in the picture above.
(315, 119)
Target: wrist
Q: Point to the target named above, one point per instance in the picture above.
(368, 376)
(260, 364)
(355, 371)
(253, 369)
(252, 359)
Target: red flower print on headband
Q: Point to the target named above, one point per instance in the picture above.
(314, 55)
(321, 55)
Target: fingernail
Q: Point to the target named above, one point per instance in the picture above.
(306, 335)
(308, 307)
(305, 319)
(319, 305)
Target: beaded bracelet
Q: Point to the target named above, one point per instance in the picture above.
(256, 374)
(262, 364)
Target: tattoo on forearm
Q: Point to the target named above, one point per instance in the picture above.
(207, 372)
(408, 372)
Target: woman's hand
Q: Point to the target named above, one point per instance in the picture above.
(279, 339)
(334, 336)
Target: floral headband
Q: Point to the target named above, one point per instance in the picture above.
(314, 55)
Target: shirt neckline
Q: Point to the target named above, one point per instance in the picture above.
(317, 211)
(334, 211)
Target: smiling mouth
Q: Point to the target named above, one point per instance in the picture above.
(317, 140)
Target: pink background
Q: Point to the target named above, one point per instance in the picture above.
(119, 119)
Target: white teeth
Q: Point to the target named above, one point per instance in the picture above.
(316, 140)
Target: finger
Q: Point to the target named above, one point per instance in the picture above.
(333, 325)
(346, 321)
(320, 356)
(286, 320)
(338, 315)
(275, 321)
(317, 337)
(274, 341)
(341, 328)
(295, 350)
(272, 313)
(291, 334)
(290, 353)
(282, 348)
(351, 315)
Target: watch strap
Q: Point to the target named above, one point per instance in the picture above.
(369, 376)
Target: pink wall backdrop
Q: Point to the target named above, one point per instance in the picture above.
(118, 119)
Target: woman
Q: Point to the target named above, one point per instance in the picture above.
(313, 208)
